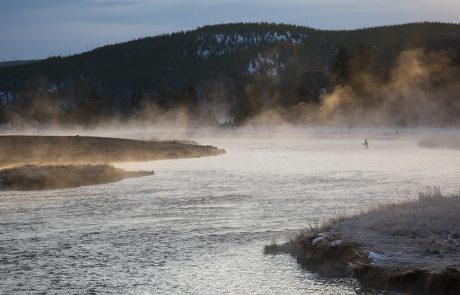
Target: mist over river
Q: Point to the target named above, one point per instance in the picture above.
(198, 226)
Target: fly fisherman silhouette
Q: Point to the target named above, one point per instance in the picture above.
(366, 144)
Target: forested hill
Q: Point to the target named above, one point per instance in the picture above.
(4, 64)
(239, 67)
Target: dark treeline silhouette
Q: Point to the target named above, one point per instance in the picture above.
(243, 68)
(4, 64)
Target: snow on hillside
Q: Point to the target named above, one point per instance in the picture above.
(7, 97)
(220, 43)
(269, 65)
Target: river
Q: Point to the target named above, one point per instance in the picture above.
(198, 226)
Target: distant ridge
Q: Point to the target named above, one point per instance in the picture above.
(4, 64)
(242, 66)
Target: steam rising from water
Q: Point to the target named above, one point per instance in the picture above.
(421, 90)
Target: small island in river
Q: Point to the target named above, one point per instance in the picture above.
(411, 247)
(52, 162)
(42, 177)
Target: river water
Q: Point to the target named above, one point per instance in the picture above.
(199, 225)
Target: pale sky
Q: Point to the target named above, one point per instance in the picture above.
(39, 28)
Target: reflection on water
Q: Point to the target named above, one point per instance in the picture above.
(199, 225)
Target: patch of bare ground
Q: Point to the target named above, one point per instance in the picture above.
(412, 247)
(44, 177)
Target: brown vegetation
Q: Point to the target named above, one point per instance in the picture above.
(64, 161)
(15, 150)
(326, 254)
(41, 177)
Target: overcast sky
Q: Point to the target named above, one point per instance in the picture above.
(40, 28)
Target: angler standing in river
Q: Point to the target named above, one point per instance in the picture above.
(366, 144)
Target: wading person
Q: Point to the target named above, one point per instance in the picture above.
(366, 144)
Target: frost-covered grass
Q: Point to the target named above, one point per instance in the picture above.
(426, 225)
(432, 213)
(411, 246)
(416, 230)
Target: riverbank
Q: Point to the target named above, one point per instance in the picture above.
(411, 247)
(51, 162)
(44, 177)
(18, 149)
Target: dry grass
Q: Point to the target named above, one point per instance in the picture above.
(431, 214)
(16, 150)
(60, 159)
(40, 177)
(415, 245)
(421, 230)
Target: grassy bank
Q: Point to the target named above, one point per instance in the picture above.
(15, 149)
(51, 162)
(41, 177)
(412, 246)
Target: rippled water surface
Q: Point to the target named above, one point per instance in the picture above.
(199, 225)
